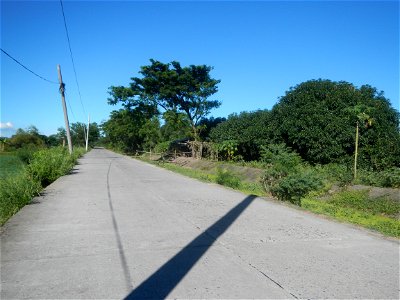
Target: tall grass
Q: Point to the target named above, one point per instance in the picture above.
(45, 166)
(10, 164)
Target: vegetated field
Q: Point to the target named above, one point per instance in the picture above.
(10, 164)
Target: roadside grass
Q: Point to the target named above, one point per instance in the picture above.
(10, 164)
(217, 175)
(356, 207)
(377, 214)
(17, 188)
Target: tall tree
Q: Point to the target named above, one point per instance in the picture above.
(125, 128)
(171, 87)
(318, 118)
(250, 130)
(78, 133)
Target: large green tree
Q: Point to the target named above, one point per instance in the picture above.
(78, 133)
(318, 119)
(249, 130)
(127, 128)
(171, 87)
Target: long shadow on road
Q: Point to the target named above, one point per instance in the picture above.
(167, 277)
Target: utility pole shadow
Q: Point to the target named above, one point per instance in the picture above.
(167, 277)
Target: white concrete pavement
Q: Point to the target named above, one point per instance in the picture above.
(119, 228)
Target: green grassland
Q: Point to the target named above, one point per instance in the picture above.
(10, 164)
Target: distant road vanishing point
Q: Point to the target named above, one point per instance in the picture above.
(118, 228)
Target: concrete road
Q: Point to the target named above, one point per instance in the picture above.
(119, 228)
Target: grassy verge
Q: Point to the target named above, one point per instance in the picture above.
(18, 188)
(354, 207)
(222, 177)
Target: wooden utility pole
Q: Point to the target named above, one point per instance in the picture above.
(87, 133)
(62, 90)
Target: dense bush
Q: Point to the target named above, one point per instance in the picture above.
(49, 164)
(227, 150)
(15, 192)
(286, 177)
(386, 178)
(26, 154)
(162, 147)
(339, 174)
(249, 130)
(296, 185)
(317, 119)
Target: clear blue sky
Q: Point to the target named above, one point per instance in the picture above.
(258, 50)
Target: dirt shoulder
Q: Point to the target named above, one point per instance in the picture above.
(248, 174)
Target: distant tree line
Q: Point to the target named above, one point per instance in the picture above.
(317, 119)
(31, 137)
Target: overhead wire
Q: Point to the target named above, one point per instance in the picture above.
(72, 58)
(26, 68)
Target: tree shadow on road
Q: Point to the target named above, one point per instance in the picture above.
(167, 277)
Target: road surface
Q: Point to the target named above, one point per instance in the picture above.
(119, 228)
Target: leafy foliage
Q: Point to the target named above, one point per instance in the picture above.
(285, 176)
(249, 129)
(296, 185)
(317, 119)
(227, 150)
(124, 128)
(29, 138)
(171, 87)
(385, 178)
(49, 164)
(78, 132)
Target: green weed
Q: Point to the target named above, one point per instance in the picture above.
(227, 178)
(15, 192)
(386, 225)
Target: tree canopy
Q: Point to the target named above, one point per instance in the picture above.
(171, 87)
(317, 118)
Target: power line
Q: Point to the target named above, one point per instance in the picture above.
(72, 58)
(26, 68)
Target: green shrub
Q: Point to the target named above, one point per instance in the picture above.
(49, 164)
(25, 154)
(336, 173)
(227, 150)
(16, 192)
(225, 177)
(279, 154)
(296, 185)
(284, 176)
(386, 178)
(162, 147)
